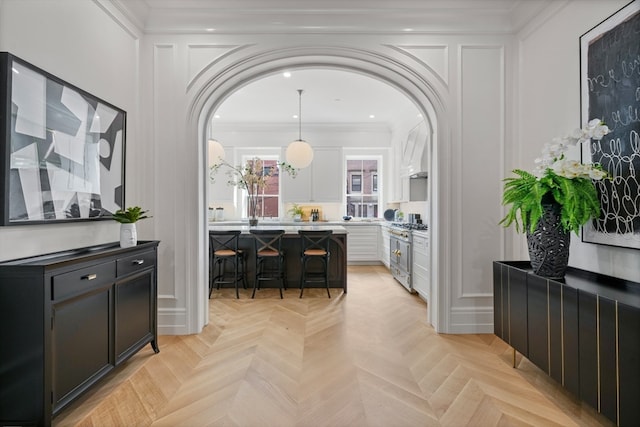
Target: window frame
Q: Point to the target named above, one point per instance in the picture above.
(243, 195)
(377, 207)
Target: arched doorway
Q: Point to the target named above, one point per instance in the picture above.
(423, 89)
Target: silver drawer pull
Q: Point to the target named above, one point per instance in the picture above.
(89, 277)
(137, 262)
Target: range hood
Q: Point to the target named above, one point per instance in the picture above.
(423, 174)
(415, 152)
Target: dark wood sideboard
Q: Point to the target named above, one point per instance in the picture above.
(67, 319)
(583, 331)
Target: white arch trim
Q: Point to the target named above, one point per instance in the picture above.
(421, 88)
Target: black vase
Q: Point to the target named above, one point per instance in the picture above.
(549, 243)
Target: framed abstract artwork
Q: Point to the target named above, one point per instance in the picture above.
(61, 149)
(610, 90)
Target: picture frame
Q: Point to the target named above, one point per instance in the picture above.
(610, 90)
(62, 149)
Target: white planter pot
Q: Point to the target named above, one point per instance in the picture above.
(128, 235)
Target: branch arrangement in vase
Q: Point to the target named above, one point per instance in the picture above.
(252, 176)
(557, 179)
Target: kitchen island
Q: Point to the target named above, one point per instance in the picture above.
(291, 247)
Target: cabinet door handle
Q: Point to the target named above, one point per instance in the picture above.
(89, 276)
(137, 262)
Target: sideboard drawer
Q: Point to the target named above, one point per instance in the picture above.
(78, 281)
(137, 262)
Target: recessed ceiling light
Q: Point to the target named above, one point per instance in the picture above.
(210, 29)
(216, 116)
(371, 116)
(286, 74)
(295, 116)
(419, 115)
(407, 29)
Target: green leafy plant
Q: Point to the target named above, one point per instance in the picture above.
(130, 215)
(567, 182)
(296, 210)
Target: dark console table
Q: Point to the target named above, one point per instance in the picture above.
(66, 320)
(583, 331)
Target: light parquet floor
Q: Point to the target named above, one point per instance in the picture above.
(368, 358)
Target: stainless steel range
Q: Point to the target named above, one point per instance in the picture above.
(400, 262)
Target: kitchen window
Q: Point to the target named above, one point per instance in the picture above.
(269, 196)
(362, 186)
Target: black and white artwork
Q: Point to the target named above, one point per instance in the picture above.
(610, 90)
(63, 149)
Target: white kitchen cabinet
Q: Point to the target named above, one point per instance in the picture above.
(420, 280)
(320, 182)
(298, 189)
(327, 184)
(362, 244)
(383, 245)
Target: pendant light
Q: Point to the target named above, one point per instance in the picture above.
(216, 152)
(299, 153)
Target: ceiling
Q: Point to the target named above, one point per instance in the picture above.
(330, 96)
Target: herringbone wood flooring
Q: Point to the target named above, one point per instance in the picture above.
(363, 359)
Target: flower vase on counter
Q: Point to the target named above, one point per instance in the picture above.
(253, 207)
(252, 177)
(128, 235)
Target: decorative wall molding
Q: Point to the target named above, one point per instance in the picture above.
(471, 320)
(481, 99)
(426, 92)
(172, 321)
(202, 57)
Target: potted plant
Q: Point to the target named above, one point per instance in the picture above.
(253, 177)
(296, 212)
(558, 197)
(127, 219)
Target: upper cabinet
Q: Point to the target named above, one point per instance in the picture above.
(320, 182)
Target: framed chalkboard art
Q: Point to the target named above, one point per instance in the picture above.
(610, 90)
(61, 149)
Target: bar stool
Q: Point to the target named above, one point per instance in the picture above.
(269, 258)
(315, 246)
(223, 247)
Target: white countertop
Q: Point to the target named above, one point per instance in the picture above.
(300, 223)
(288, 229)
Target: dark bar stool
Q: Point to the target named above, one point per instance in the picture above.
(315, 246)
(223, 247)
(269, 258)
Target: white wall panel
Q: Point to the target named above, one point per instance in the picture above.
(435, 58)
(482, 84)
(203, 56)
(165, 137)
